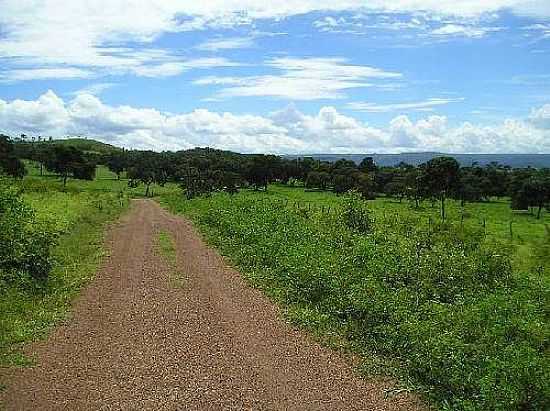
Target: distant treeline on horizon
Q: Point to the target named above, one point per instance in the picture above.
(415, 159)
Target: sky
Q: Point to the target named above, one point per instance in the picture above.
(285, 77)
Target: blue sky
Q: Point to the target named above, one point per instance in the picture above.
(294, 77)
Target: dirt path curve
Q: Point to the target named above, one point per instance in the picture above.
(138, 342)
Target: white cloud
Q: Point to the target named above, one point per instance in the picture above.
(285, 131)
(427, 105)
(541, 117)
(177, 67)
(9, 76)
(461, 30)
(301, 79)
(94, 89)
(226, 43)
(540, 29)
(93, 33)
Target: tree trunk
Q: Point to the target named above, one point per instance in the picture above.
(65, 176)
(147, 189)
(443, 207)
(539, 212)
(41, 169)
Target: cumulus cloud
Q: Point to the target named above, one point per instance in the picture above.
(541, 117)
(285, 131)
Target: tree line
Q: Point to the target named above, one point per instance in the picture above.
(201, 171)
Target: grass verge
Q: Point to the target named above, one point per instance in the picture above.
(28, 313)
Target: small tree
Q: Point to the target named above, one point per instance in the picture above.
(441, 179)
(368, 165)
(117, 163)
(9, 163)
(535, 192)
(365, 185)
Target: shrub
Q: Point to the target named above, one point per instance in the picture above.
(24, 244)
(355, 214)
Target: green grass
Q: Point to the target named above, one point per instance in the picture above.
(79, 218)
(167, 249)
(456, 313)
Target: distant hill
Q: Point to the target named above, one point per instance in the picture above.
(512, 160)
(87, 145)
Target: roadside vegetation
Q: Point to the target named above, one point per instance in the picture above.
(450, 310)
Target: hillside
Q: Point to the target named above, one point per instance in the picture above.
(87, 145)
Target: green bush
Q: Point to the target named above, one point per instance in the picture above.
(24, 244)
(355, 214)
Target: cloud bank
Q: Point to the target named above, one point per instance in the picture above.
(284, 131)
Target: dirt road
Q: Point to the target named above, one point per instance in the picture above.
(137, 341)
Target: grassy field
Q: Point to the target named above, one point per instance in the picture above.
(105, 182)
(456, 310)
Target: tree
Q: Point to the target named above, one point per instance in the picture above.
(441, 179)
(261, 170)
(229, 181)
(116, 162)
(471, 185)
(9, 163)
(143, 170)
(41, 154)
(342, 183)
(344, 164)
(364, 184)
(414, 184)
(535, 192)
(368, 165)
(396, 188)
(68, 161)
(318, 179)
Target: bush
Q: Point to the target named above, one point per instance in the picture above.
(355, 214)
(24, 244)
